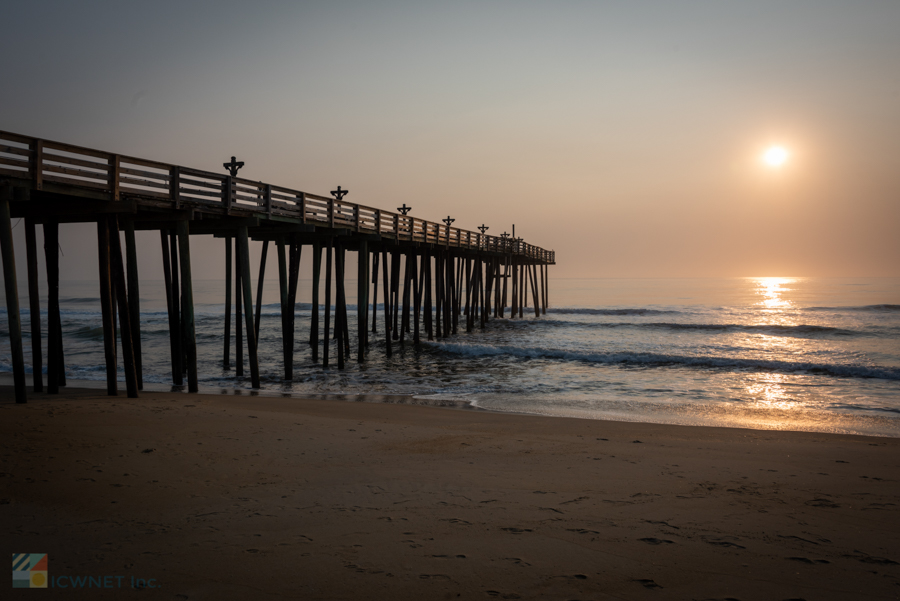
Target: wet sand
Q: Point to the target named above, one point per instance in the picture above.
(238, 497)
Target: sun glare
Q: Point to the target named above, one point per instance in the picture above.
(776, 156)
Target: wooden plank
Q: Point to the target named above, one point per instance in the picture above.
(76, 182)
(75, 172)
(57, 158)
(71, 148)
(24, 163)
(129, 181)
(11, 137)
(141, 173)
(14, 173)
(186, 181)
(226, 358)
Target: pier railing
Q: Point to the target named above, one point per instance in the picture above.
(47, 164)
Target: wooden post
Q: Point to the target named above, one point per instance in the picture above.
(54, 333)
(106, 307)
(340, 310)
(177, 302)
(439, 280)
(534, 291)
(375, 291)
(174, 329)
(226, 358)
(12, 301)
(387, 303)
(293, 279)
(187, 295)
(314, 313)
(34, 300)
(362, 299)
(327, 333)
(118, 283)
(426, 283)
(407, 278)
(259, 287)
(395, 290)
(470, 301)
(546, 287)
(244, 253)
(238, 311)
(286, 346)
(134, 300)
(417, 271)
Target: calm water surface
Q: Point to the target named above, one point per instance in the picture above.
(808, 354)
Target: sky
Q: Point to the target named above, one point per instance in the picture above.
(626, 136)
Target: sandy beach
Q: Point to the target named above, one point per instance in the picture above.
(244, 497)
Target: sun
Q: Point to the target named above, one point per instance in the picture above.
(775, 156)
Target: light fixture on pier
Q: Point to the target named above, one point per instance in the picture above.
(404, 209)
(448, 220)
(233, 166)
(483, 228)
(339, 194)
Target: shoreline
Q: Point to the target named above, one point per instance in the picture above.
(354, 500)
(740, 418)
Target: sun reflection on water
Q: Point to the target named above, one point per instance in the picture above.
(772, 291)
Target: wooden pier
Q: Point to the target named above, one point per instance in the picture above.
(432, 274)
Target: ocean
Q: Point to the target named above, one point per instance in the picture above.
(809, 354)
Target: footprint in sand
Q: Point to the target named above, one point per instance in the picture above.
(808, 560)
(647, 583)
(517, 530)
(656, 541)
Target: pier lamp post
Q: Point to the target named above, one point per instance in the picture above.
(404, 209)
(339, 194)
(504, 235)
(483, 228)
(448, 221)
(233, 166)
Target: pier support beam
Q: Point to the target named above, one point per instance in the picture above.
(226, 356)
(187, 305)
(327, 333)
(34, 300)
(244, 260)
(134, 300)
(259, 287)
(118, 280)
(314, 313)
(171, 305)
(362, 300)
(387, 303)
(286, 339)
(106, 305)
(55, 366)
(12, 299)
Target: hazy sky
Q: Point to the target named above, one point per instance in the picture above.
(625, 135)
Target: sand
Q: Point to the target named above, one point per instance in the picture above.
(244, 497)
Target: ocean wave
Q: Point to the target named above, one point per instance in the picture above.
(873, 308)
(640, 360)
(634, 311)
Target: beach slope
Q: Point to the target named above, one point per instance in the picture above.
(246, 497)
